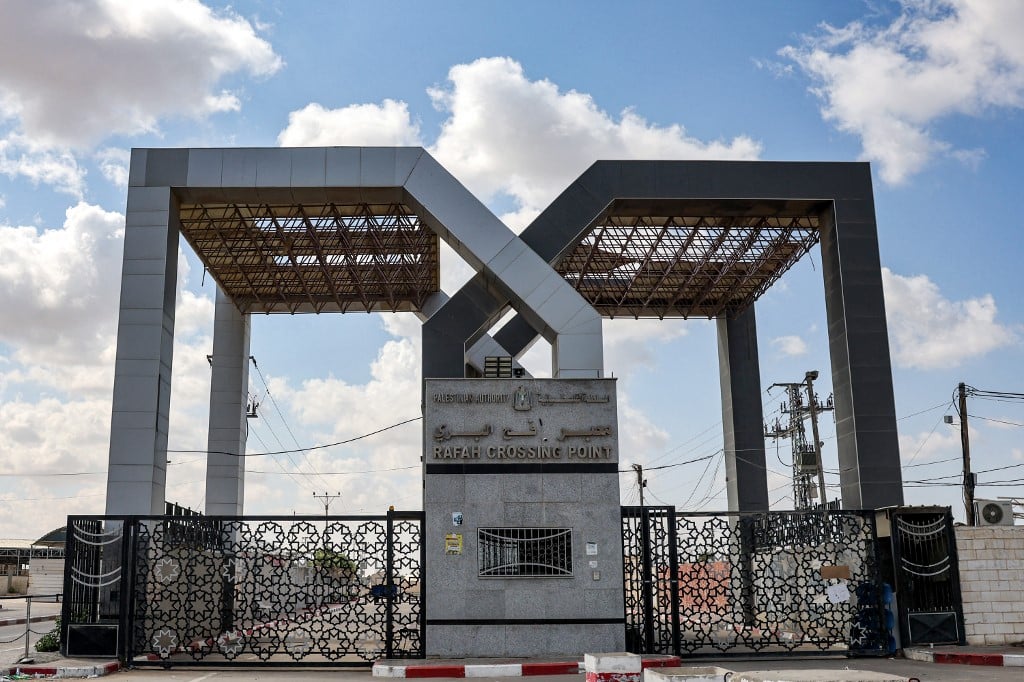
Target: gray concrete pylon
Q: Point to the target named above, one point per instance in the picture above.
(865, 413)
(137, 470)
(229, 389)
(870, 475)
(746, 473)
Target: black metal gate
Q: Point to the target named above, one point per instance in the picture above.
(703, 584)
(341, 590)
(927, 576)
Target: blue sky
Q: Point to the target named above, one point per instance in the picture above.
(516, 100)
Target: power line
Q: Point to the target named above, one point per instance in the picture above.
(925, 441)
(64, 473)
(696, 485)
(990, 419)
(670, 466)
(280, 414)
(924, 464)
(278, 462)
(982, 393)
(934, 407)
(336, 473)
(307, 449)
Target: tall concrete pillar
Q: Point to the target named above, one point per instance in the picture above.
(137, 470)
(865, 410)
(229, 386)
(742, 417)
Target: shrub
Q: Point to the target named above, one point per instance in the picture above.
(51, 640)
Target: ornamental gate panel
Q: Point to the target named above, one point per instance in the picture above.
(927, 576)
(774, 583)
(289, 590)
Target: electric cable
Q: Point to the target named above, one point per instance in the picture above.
(306, 449)
(990, 419)
(290, 475)
(334, 473)
(280, 414)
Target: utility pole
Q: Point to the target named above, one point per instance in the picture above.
(640, 482)
(812, 407)
(806, 457)
(326, 500)
(965, 444)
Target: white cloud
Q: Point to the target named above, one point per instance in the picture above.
(505, 134)
(929, 331)
(313, 408)
(59, 292)
(21, 156)
(59, 287)
(793, 346)
(114, 165)
(92, 68)
(387, 124)
(943, 441)
(630, 344)
(528, 139)
(890, 84)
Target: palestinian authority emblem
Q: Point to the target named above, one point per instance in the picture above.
(522, 400)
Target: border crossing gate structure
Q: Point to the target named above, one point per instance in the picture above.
(345, 229)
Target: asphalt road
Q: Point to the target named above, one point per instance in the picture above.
(11, 651)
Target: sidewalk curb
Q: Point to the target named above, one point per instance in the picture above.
(965, 658)
(503, 669)
(64, 672)
(21, 621)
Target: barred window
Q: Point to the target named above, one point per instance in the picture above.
(524, 552)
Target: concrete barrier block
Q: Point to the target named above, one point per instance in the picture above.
(613, 667)
(707, 673)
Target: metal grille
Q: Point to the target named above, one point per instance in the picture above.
(277, 590)
(524, 552)
(675, 261)
(288, 258)
(778, 582)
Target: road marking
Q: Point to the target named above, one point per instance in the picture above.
(200, 679)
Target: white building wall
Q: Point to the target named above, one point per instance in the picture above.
(46, 576)
(992, 583)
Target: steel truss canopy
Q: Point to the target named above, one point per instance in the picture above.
(639, 258)
(315, 257)
(684, 258)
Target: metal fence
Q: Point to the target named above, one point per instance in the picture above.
(340, 590)
(703, 584)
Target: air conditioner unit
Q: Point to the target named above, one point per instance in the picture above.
(993, 513)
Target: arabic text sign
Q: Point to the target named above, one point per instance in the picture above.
(472, 421)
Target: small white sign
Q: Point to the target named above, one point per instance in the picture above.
(838, 594)
(591, 549)
(456, 518)
(593, 564)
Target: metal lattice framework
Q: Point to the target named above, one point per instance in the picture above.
(679, 262)
(707, 584)
(329, 257)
